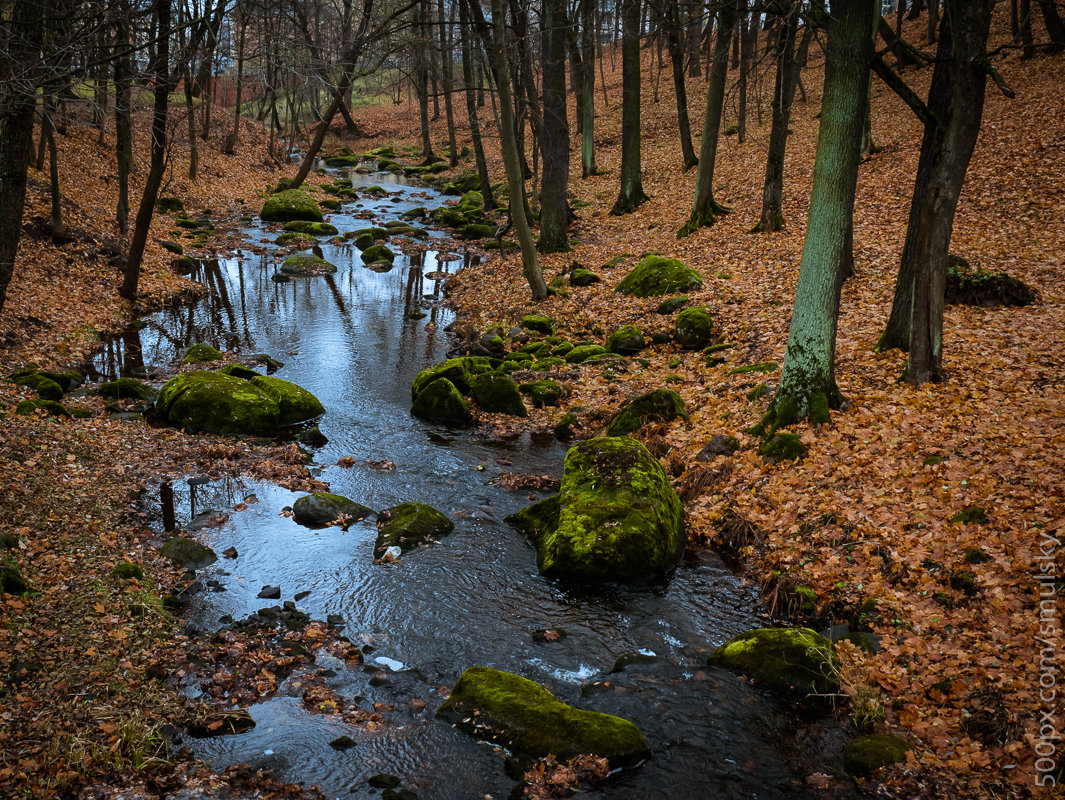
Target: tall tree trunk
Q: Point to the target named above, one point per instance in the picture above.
(421, 77)
(470, 90)
(933, 20)
(123, 128)
(160, 73)
(588, 36)
(705, 209)
(554, 141)
(632, 194)
(447, 78)
(1054, 26)
(695, 36)
(676, 56)
(234, 137)
(741, 82)
(807, 382)
(59, 229)
(22, 46)
(1028, 49)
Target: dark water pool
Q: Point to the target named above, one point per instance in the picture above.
(473, 599)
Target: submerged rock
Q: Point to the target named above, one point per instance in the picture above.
(527, 719)
(866, 754)
(660, 405)
(409, 525)
(188, 553)
(615, 518)
(797, 663)
(321, 509)
(221, 723)
(655, 275)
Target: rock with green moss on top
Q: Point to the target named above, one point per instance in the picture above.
(796, 663)
(295, 404)
(311, 228)
(410, 525)
(291, 204)
(46, 388)
(188, 553)
(655, 275)
(457, 370)
(582, 277)
(50, 407)
(127, 571)
(544, 364)
(299, 240)
(414, 213)
(782, 447)
(471, 200)
(201, 354)
(322, 509)
(169, 205)
(448, 217)
(215, 403)
(476, 230)
(973, 515)
(378, 254)
(626, 341)
(440, 401)
(542, 393)
(11, 580)
(126, 389)
(496, 393)
(528, 720)
(538, 323)
(583, 352)
(660, 405)
(866, 754)
(692, 328)
(306, 265)
(173, 247)
(616, 517)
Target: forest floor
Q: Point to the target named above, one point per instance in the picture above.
(866, 516)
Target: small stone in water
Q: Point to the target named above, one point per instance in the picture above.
(270, 592)
(300, 595)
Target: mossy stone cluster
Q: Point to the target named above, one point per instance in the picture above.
(538, 323)
(615, 518)
(291, 204)
(438, 391)
(693, 327)
(659, 405)
(782, 447)
(496, 393)
(410, 525)
(796, 663)
(527, 719)
(225, 404)
(582, 352)
(126, 389)
(655, 275)
(542, 393)
(582, 277)
(321, 509)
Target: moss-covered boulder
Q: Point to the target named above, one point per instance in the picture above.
(542, 393)
(46, 388)
(306, 265)
(692, 328)
(127, 570)
(475, 230)
(410, 525)
(626, 341)
(448, 217)
(471, 199)
(525, 718)
(188, 553)
(294, 403)
(201, 354)
(457, 370)
(440, 401)
(321, 509)
(797, 663)
(169, 205)
(239, 371)
(66, 380)
(660, 405)
(50, 407)
(538, 323)
(672, 304)
(616, 517)
(289, 205)
(866, 754)
(208, 401)
(11, 580)
(582, 277)
(414, 213)
(378, 254)
(655, 275)
(583, 352)
(496, 393)
(297, 240)
(126, 388)
(311, 228)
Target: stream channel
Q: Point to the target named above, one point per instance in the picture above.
(473, 599)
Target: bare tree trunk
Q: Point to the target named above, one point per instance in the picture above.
(470, 90)
(588, 30)
(447, 67)
(676, 56)
(123, 128)
(554, 140)
(632, 193)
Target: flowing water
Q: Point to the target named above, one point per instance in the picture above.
(356, 340)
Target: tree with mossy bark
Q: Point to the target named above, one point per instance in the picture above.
(807, 383)
(632, 194)
(706, 209)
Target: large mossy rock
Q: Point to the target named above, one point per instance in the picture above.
(496, 393)
(306, 265)
(294, 403)
(46, 388)
(692, 328)
(378, 254)
(208, 401)
(797, 663)
(866, 754)
(410, 525)
(441, 401)
(655, 275)
(542, 393)
(321, 509)
(626, 341)
(188, 553)
(201, 354)
(311, 228)
(660, 405)
(525, 718)
(459, 371)
(582, 352)
(126, 388)
(291, 204)
(616, 517)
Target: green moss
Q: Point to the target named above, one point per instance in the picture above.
(866, 754)
(378, 234)
(655, 275)
(342, 161)
(932, 461)
(618, 517)
(976, 555)
(306, 265)
(208, 401)
(693, 327)
(414, 213)
(973, 515)
(769, 366)
(794, 662)
(544, 364)
(496, 393)
(782, 447)
(295, 404)
(672, 304)
(519, 357)
(660, 405)
(291, 204)
(127, 570)
(538, 323)
(440, 401)
(448, 217)
(296, 239)
(311, 228)
(582, 277)
(173, 247)
(456, 370)
(201, 354)
(46, 388)
(66, 380)
(527, 719)
(51, 407)
(169, 205)
(238, 371)
(129, 388)
(757, 393)
(410, 525)
(321, 509)
(474, 230)
(542, 393)
(378, 254)
(188, 553)
(625, 341)
(818, 413)
(471, 199)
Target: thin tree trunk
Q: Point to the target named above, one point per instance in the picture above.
(554, 140)
(588, 28)
(695, 36)
(1028, 49)
(447, 67)
(1055, 27)
(123, 128)
(741, 82)
(59, 229)
(632, 194)
(471, 106)
(933, 20)
(676, 56)
(234, 137)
